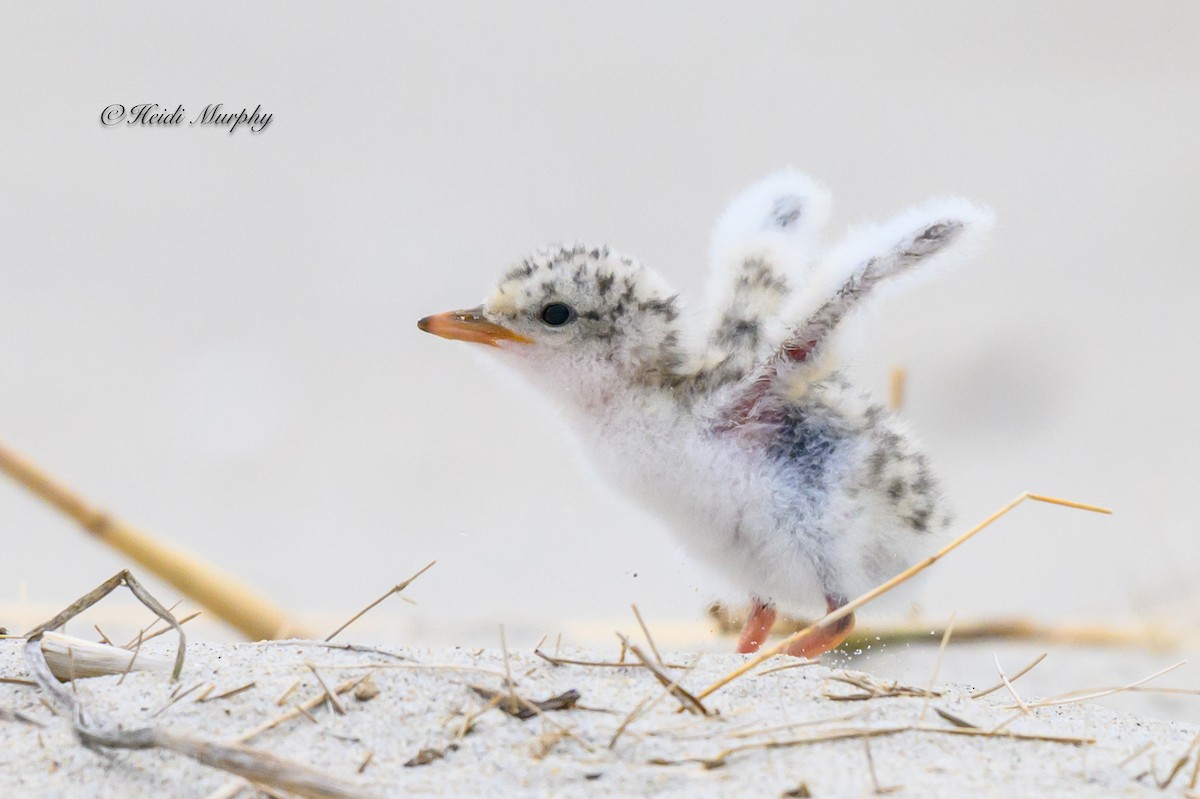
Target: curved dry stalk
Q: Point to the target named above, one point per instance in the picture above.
(126, 578)
(1107, 691)
(1014, 678)
(849, 608)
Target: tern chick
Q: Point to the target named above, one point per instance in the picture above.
(741, 434)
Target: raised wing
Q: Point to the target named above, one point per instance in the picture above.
(867, 261)
(763, 249)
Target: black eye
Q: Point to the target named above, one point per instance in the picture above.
(557, 314)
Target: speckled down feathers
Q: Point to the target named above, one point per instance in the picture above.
(743, 436)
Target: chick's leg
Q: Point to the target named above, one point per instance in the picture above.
(824, 638)
(757, 627)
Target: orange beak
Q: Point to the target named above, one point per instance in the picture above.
(469, 325)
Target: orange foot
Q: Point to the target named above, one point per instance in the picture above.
(822, 638)
(757, 627)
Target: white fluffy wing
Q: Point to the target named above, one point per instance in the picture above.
(763, 251)
(855, 272)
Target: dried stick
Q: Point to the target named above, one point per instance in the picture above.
(686, 700)
(1107, 691)
(1014, 678)
(649, 702)
(937, 666)
(606, 664)
(1012, 691)
(646, 632)
(395, 589)
(849, 608)
(228, 598)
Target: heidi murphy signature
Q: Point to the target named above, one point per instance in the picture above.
(214, 115)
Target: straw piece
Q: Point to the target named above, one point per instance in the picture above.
(849, 608)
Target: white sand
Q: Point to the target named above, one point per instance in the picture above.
(422, 708)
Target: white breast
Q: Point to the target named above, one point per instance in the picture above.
(718, 495)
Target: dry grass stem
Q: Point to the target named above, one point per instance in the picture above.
(754, 733)
(1012, 691)
(1141, 750)
(164, 630)
(13, 715)
(230, 693)
(873, 688)
(937, 667)
(879, 789)
(603, 664)
(646, 632)
(1182, 761)
(1014, 678)
(413, 666)
(141, 634)
(508, 678)
(722, 757)
(132, 659)
(334, 702)
(647, 704)
(874, 593)
(175, 697)
(283, 697)
(955, 720)
(303, 708)
(394, 590)
(1087, 697)
(785, 667)
(686, 700)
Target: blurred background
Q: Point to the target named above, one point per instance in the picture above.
(212, 335)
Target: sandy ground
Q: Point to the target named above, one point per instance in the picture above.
(424, 699)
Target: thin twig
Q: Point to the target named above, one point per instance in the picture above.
(175, 697)
(646, 632)
(508, 678)
(132, 659)
(1106, 692)
(282, 700)
(1014, 678)
(879, 789)
(394, 590)
(606, 664)
(937, 666)
(153, 623)
(230, 693)
(787, 666)
(1136, 754)
(686, 699)
(309, 704)
(646, 704)
(334, 702)
(1012, 691)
